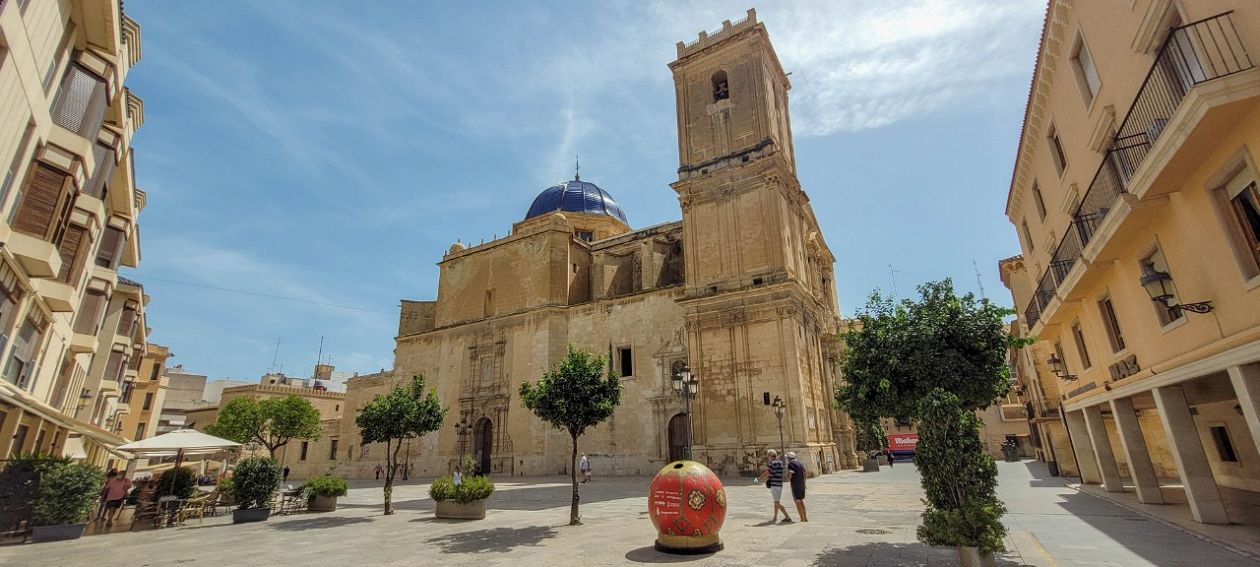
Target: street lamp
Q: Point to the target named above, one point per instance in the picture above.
(1060, 368)
(462, 428)
(780, 409)
(687, 386)
(1160, 287)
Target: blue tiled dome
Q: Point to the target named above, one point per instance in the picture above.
(576, 196)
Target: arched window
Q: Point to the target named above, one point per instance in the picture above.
(721, 91)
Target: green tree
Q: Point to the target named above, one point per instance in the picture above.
(580, 393)
(270, 422)
(406, 412)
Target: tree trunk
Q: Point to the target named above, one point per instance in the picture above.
(574, 518)
(390, 457)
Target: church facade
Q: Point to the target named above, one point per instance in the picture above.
(741, 289)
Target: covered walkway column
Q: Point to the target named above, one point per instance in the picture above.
(1084, 449)
(1135, 451)
(1187, 450)
(1102, 449)
(1246, 380)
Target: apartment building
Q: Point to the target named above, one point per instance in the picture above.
(71, 331)
(145, 396)
(1135, 200)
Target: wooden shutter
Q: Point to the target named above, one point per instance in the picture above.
(126, 320)
(104, 157)
(72, 246)
(113, 369)
(111, 242)
(89, 315)
(81, 102)
(41, 201)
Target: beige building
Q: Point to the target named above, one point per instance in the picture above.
(70, 208)
(1135, 200)
(741, 290)
(147, 395)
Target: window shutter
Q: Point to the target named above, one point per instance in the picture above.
(89, 315)
(113, 369)
(81, 102)
(72, 245)
(104, 157)
(111, 241)
(40, 201)
(126, 321)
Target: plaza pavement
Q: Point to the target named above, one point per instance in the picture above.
(856, 519)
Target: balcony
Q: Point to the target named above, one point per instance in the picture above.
(1193, 54)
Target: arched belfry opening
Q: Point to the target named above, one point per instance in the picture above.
(721, 88)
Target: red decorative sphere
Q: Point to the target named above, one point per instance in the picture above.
(687, 505)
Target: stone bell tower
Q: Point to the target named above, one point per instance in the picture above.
(759, 301)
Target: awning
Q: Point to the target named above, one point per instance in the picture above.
(10, 393)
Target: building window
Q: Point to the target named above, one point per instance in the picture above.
(305, 446)
(73, 248)
(1037, 200)
(1086, 73)
(127, 389)
(21, 361)
(1028, 239)
(1058, 351)
(46, 203)
(92, 309)
(157, 371)
(1083, 352)
(1111, 323)
(625, 357)
(332, 451)
(110, 250)
(1164, 313)
(1224, 445)
(1056, 150)
(337, 407)
(148, 402)
(721, 87)
(1245, 202)
(139, 432)
(585, 235)
(81, 102)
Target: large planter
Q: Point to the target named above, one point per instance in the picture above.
(452, 510)
(322, 504)
(57, 533)
(871, 465)
(250, 515)
(972, 557)
(687, 505)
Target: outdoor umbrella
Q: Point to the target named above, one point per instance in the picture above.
(178, 443)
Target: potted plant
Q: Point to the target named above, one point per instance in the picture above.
(66, 497)
(464, 502)
(180, 483)
(323, 491)
(254, 482)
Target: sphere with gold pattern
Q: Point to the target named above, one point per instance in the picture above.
(687, 505)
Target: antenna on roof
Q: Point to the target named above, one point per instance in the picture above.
(979, 283)
(577, 168)
(275, 356)
(319, 358)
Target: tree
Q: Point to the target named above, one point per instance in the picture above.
(406, 412)
(270, 422)
(576, 395)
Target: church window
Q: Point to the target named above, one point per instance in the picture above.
(586, 235)
(721, 89)
(626, 357)
(487, 370)
(332, 450)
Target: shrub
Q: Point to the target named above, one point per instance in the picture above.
(327, 486)
(959, 478)
(67, 493)
(255, 480)
(181, 482)
(471, 489)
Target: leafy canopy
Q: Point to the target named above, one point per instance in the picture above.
(270, 422)
(406, 412)
(253, 481)
(897, 353)
(576, 394)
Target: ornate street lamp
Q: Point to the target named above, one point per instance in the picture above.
(1060, 368)
(780, 410)
(463, 428)
(1160, 287)
(687, 386)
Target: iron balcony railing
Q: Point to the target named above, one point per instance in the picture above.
(1191, 55)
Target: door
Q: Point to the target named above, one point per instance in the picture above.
(677, 437)
(482, 443)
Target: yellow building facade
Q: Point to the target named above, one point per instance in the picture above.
(741, 290)
(1135, 200)
(71, 331)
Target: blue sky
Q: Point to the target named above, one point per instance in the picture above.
(330, 151)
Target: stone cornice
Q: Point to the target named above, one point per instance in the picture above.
(1036, 111)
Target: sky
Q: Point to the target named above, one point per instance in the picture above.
(308, 163)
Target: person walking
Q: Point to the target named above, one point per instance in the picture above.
(115, 491)
(773, 475)
(457, 478)
(584, 465)
(378, 470)
(284, 474)
(796, 478)
(891, 457)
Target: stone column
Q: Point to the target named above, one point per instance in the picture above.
(1246, 381)
(1187, 450)
(1102, 449)
(1083, 448)
(1134, 446)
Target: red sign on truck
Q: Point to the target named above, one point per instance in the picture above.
(903, 441)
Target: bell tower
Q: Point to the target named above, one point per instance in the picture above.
(759, 301)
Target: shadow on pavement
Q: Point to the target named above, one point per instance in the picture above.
(499, 540)
(1041, 475)
(900, 554)
(317, 523)
(530, 499)
(649, 554)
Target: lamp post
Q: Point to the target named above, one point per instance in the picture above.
(462, 428)
(780, 409)
(688, 387)
(1159, 286)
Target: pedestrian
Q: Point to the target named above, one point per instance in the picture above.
(457, 478)
(773, 475)
(115, 492)
(891, 457)
(796, 478)
(584, 465)
(378, 470)
(284, 475)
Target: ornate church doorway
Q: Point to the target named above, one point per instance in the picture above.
(677, 437)
(482, 443)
